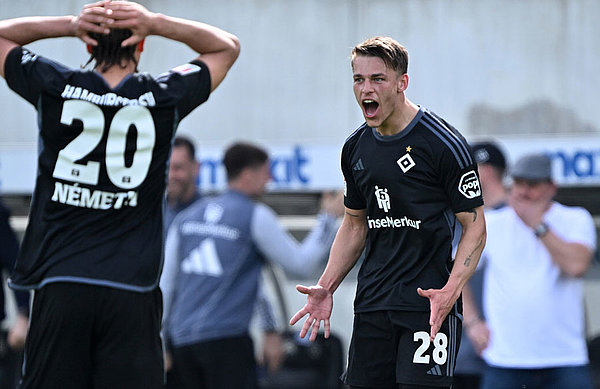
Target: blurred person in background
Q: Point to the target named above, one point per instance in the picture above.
(410, 177)
(215, 252)
(182, 191)
(182, 182)
(491, 164)
(13, 339)
(93, 247)
(537, 252)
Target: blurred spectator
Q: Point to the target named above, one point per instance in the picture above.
(182, 191)
(536, 254)
(491, 164)
(214, 255)
(11, 341)
(182, 184)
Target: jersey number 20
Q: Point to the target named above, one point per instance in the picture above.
(93, 120)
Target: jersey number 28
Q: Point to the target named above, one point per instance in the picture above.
(440, 349)
(125, 177)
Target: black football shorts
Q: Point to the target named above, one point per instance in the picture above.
(393, 347)
(86, 336)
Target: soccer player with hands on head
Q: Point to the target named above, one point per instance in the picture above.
(93, 247)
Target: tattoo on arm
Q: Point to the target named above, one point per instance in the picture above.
(474, 212)
(351, 214)
(469, 258)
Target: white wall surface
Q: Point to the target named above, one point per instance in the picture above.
(488, 66)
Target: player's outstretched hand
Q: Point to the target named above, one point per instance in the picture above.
(319, 303)
(441, 302)
(94, 17)
(134, 16)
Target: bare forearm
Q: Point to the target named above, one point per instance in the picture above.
(573, 258)
(200, 37)
(345, 251)
(469, 249)
(25, 30)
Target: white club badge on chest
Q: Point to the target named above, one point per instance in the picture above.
(406, 162)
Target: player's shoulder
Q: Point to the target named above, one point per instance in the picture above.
(26, 57)
(184, 70)
(570, 211)
(441, 130)
(445, 139)
(356, 135)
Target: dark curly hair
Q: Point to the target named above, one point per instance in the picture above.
(109, 52)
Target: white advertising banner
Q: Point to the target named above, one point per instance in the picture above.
(316, 167)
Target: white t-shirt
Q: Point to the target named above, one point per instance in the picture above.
(534, 312)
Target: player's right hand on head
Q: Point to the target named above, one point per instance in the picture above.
(132, 16)
(94, 18)
(318, 307)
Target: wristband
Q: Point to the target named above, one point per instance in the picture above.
(541, 230)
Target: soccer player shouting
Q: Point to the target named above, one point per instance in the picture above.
(409, 177)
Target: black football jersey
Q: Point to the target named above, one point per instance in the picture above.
(97, 209)
(411, 185)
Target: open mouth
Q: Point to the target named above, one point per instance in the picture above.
(370, 107)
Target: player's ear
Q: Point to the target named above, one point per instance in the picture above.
(402, 83)
(140, 46)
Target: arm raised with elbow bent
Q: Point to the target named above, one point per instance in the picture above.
(218, 49)
(467, 256)
(573, 258)
(345, 251)
(21, 31)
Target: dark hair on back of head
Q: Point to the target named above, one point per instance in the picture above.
(242, 155)
(108, 52)
(181, 141)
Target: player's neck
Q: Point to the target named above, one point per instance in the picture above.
(115, 74)
(400, 119)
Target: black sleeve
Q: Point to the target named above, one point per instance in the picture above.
(27, 73)
(353, 199)
(458, 171)
(194, 79)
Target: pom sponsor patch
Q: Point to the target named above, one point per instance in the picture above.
(469, 185)
(185, 69)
